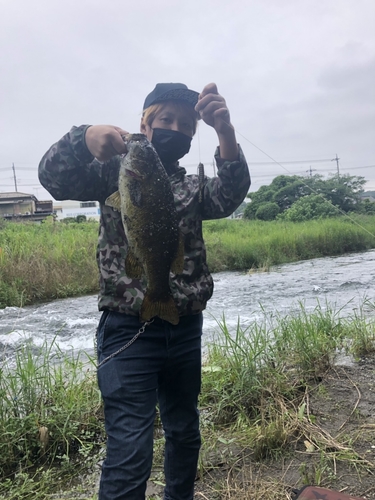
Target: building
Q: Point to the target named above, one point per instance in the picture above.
(369, 197)
(22, 206)
(70, 208)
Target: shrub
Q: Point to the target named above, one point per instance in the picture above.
(267, 211)
(310, 207)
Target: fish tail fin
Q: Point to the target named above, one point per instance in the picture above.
(165, 309)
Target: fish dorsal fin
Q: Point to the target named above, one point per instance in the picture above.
(114, 201)
(178, 264)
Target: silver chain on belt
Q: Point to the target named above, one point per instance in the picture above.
(141, 330)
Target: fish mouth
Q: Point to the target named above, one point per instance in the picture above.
(135, 175)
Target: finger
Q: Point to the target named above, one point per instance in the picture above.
(212, 108)
(210, 88)
(222, 113)
(121, 131)
(117, 141)
(206, 100)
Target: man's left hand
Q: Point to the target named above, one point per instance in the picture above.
(213, 109)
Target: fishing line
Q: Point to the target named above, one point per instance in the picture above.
(199, 144)
(200, 170)
(309, 187)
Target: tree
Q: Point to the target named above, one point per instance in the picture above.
(342, 191)
(367, 207)
(310, 207)
(283, 190)
(282, 181)
(267, 211)
(263, 195)
(289, 194)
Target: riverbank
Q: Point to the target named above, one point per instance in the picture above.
(55, 260)
(243, 245)
(284, 402)
(41, 262)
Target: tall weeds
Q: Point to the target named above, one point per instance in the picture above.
(241, 244)
(248, 369)
(56, 260)
(46, 261)
(49, 408)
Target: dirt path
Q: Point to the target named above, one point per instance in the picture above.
(341, 410)
(334, 447)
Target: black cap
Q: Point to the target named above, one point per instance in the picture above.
(171, 91)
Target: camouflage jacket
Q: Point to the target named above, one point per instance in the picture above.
(69, 172)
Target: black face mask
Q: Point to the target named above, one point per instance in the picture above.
(170, 144)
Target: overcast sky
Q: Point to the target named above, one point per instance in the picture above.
(298, 77)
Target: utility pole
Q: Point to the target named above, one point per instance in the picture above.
(14, 177)
(311, 170)
(338, 166)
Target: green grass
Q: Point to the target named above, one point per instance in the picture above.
(50, 409)
(242, 245)
(46, 261)
(253, 395)
(247, 367)
(255, 379)
(56, 260)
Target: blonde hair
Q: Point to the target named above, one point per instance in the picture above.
(149, 113)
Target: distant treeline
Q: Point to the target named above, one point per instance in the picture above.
(299, 199)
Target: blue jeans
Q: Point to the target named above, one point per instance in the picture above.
(163, 365)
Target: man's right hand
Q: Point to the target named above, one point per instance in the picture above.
(105, 141)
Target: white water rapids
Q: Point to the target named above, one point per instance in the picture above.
(345, 283)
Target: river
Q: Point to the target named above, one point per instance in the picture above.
(345, 283)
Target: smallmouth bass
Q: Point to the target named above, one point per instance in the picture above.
(151, 225)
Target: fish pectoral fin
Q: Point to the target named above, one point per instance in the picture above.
(164, 309)
(114, 201)
(178, 264)
(133, 267)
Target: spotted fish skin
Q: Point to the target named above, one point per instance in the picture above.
(151, 224)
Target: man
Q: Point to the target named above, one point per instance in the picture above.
(163, 364)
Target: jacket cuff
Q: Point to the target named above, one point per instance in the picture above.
(221, 161)
(78, 142)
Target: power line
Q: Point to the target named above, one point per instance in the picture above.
(354, 168)
(253, 175)
(267, 162)
(290, 162)
(287, 162)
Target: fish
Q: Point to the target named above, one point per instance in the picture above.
(151, 225)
